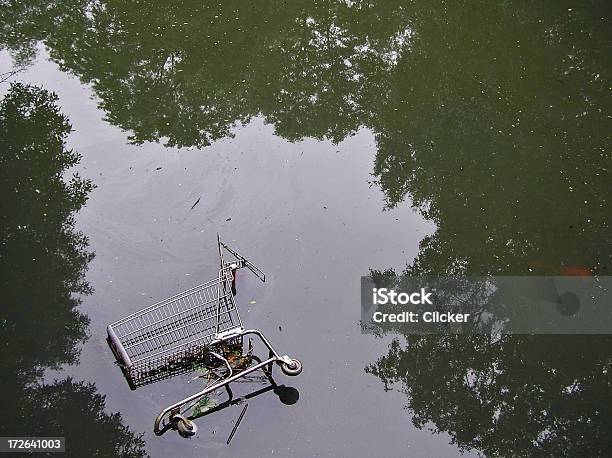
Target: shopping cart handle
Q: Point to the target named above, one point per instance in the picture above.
(256, 270)
(243, 262)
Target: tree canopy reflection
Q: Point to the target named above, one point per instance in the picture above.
(488, 114)
(516, 396)
(500, 395)
(500, 140)
(186, 72)
(43, 260)
(502, 145)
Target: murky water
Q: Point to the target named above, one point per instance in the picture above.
(321, 141)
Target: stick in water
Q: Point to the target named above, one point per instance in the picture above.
(229, 439)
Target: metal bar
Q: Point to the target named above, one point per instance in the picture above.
(210, 389)
(229, 439)
(220, 251)
(218, 301)
(274, 356)
(221, 267)
(246, 263)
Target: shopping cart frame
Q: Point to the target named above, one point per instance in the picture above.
(196, 324)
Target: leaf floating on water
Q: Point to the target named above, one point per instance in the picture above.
(204, 405)
(202, 371)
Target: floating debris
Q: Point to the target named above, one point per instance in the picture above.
(196, 203)
(204, 405)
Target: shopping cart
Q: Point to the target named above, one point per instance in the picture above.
(198, 328)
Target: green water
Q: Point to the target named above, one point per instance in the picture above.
(448, 138)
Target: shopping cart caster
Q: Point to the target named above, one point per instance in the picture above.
(292, 368)
(185, 426)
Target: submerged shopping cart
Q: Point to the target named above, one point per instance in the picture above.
(198, 328)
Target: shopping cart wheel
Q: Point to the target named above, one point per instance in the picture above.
(186, 427)
(293, 368)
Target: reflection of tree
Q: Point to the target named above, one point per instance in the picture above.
(501, 143)
(42, 270)
(498, 137)
(187, 71)
(518, 396)
(75, 410)
(491, 116)
(43, 257)
(22, 25)
(502, 395)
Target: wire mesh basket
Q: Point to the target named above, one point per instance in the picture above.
(172, 335)
(187, 331)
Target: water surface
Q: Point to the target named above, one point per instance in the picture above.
(323, 141)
